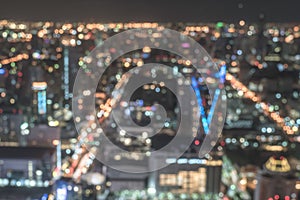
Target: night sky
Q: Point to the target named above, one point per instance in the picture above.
(151, 10)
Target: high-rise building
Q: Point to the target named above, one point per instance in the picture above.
(276, 181)
(39, 101)
(191, 175)
(214, 172)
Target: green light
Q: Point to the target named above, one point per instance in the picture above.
(232, 187)
(220, 24)
(81, 63)
(284, 143)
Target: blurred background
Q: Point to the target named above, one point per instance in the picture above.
(255, 44)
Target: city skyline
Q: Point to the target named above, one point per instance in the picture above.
(39, 62)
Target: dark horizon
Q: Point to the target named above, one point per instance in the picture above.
(151, 11)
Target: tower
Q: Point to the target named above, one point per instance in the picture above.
(39, 101)
(276, 181)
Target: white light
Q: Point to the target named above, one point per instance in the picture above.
(39, 173)
(269, 130)
(144, 134)
(13, 182)
(32, 183)
(26, 182)
(25, 132)
(182, 161)
(24, 125)
(70, 187)
(240, 93)
(195, 161)
(46, 183)
(117, 157)
(73, 42)
(68, 151)
(275, 39)
(170, 160)
(148, 141)
(151, 191)
(122, 132)
(76, 189)
(148, 153)
(5, 182)
(18, 183)
(127, 141)
(167, 124)
(228, 140)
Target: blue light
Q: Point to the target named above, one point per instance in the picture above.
(44, 197)
(2, 71)
(222, 74)
(222, 77)
(207, 120)
(140, 102)
(145, 55)
(280, 67)
(239, 52)
(200, 104)
(213, 105)
(42, 104)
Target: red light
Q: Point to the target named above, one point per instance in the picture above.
(197, 142)
(270, 198)
(222, 143)
(281, 157)
(287, 198)
(276, 196)
(148, 108)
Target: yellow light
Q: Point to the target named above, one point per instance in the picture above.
(140, 63)
(98, 187)
(55, 143)
(54, 123)
(289, 39)
(39, 85)
(217, 35)
(295, 128)
(242, 23)
(12, 101)
(233, 63)
(126, 64)
(50, 69)
(146, 49)
(243, 181)
(188, 62)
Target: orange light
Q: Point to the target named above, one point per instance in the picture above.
(55, 142)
